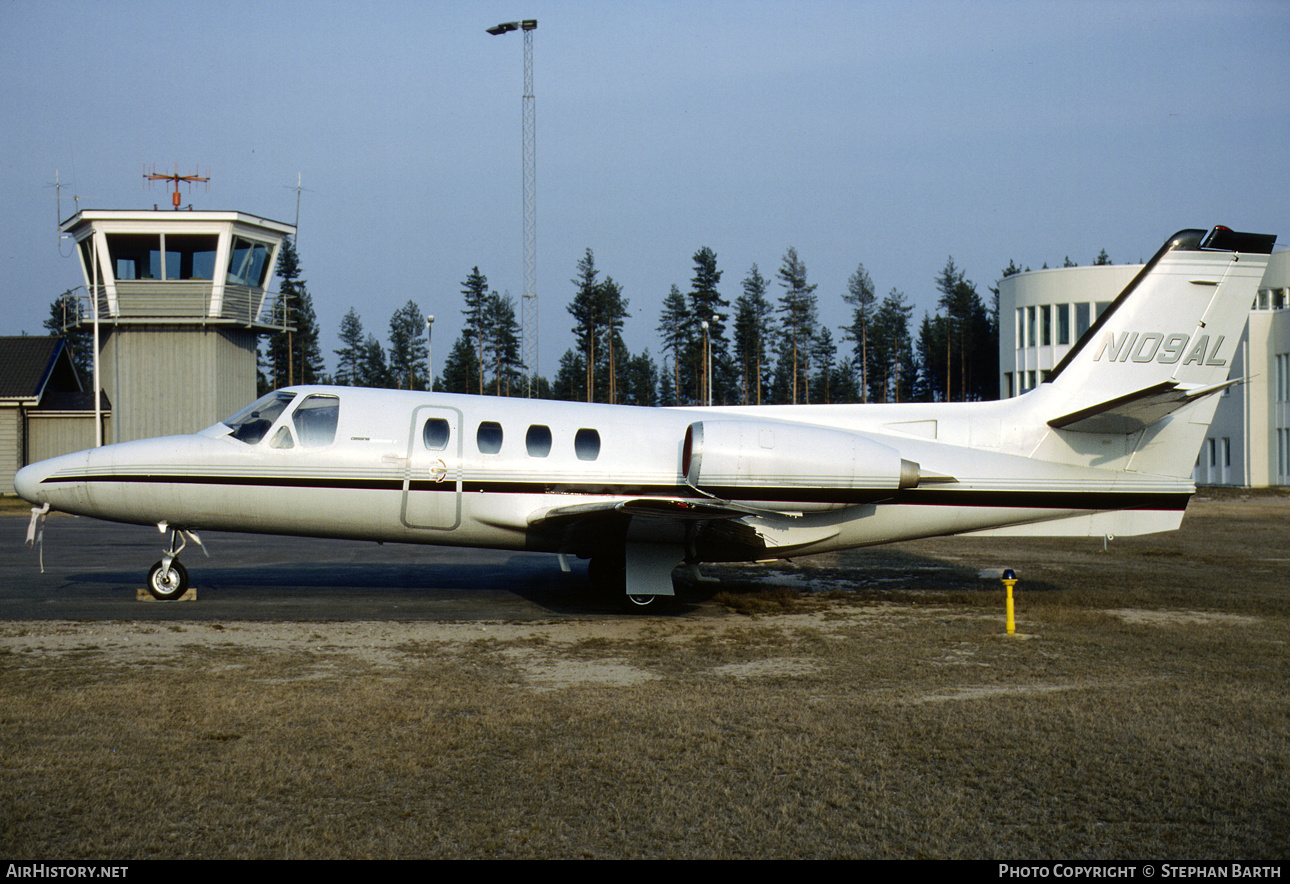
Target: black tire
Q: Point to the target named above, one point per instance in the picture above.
(646, 604)
(169, 585)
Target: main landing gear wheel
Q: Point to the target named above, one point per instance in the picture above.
(168, 584)
(608, 574)
(646, 604)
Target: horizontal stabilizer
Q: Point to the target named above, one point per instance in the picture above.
(1135, 411)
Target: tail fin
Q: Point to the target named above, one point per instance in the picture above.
(1164, 344)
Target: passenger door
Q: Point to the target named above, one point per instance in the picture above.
(432, 483)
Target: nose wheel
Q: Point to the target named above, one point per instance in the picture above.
(168, 579)
(167, 582)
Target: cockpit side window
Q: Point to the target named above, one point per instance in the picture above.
(315, 420)
(251, 423)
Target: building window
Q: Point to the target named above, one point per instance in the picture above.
(1063, 323)
(1046, 323)
(1031, 338)
(1081, 320)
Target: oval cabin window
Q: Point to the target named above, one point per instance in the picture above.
(587, 444)
(489, 437)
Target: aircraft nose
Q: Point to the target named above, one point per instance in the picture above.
(27, 482)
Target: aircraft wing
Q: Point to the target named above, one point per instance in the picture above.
(1132, 412)
(674, 508)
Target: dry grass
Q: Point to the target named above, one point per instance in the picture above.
(859, 705)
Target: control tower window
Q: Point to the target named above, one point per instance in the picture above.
(135, 255)
(190, 256)
(249, 263)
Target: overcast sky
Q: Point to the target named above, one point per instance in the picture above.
(893, 134)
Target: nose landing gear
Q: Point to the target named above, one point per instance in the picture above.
(168, 579)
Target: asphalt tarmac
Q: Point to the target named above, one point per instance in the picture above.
(93, 571)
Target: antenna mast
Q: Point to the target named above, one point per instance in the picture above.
(176, 178)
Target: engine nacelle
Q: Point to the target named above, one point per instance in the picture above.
(809, 467)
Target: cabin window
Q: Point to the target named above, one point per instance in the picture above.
(489, 437)
(315, 420)
(282, 438)
(435, 434)
(538, 440)
(587, 444)
(251, 423)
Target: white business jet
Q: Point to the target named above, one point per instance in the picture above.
(1104, 446)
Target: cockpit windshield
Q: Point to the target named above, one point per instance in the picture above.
(251, 423)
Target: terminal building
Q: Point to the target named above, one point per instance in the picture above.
(1042, 313)
(180, 299)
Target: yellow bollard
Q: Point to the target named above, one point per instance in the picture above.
(1010, 580)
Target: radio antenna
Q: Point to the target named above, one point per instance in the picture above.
(190, 180)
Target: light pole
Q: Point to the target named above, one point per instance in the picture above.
(529, 301)
(429, 354)
(707, 366)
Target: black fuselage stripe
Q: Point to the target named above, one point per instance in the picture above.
(1048, 500)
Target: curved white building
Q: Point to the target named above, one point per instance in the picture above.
(1042, 313)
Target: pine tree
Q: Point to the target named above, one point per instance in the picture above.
(408, 348)
(861, 296)
(373, 370)
(798, 309)
(971, 339)
(349, 357)
(753, 325)
(640, 380)
(676, 325)
(292, 354)
(584, 310)
(707, 305)
(612, 309)
(504, 337)
(893, 366)
(461, 370)
(476, 297)
(70, 319)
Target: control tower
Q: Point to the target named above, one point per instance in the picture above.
(182, 298)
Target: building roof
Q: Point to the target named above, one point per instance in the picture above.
(26, 365)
